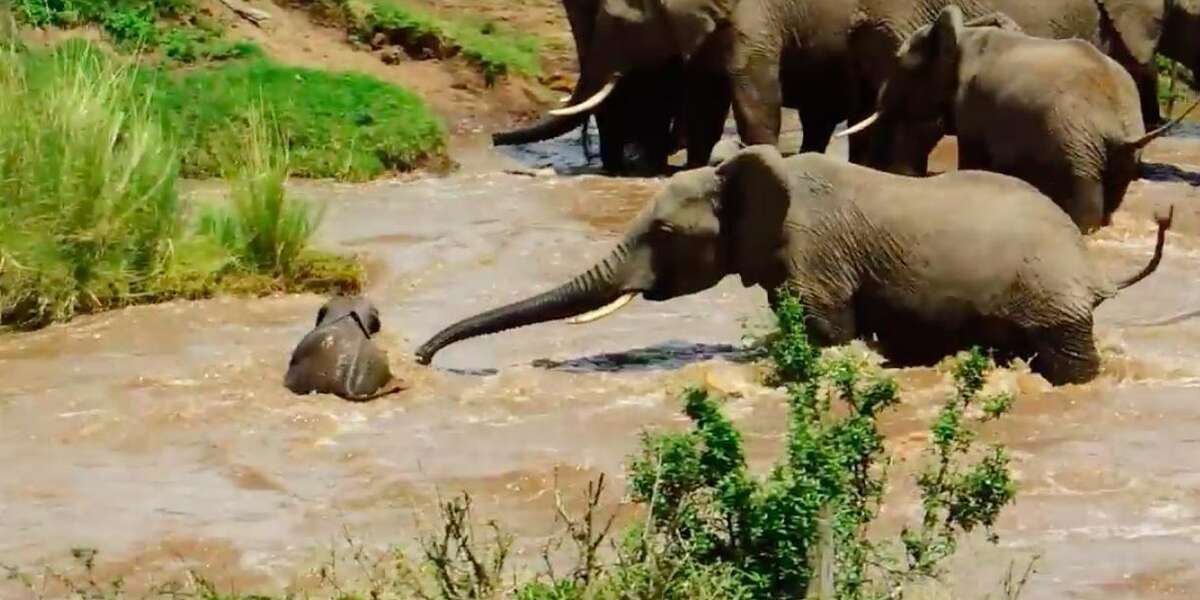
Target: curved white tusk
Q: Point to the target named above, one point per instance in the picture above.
(588, 104)
(865, 123)
(564, 99)
(603, 311)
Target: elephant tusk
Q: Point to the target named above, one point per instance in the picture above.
(564, 99)
(588, 104)
(603, 311)
(863, 124)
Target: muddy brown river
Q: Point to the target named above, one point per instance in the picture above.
(162, 435)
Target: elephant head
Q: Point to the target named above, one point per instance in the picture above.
(614, 37)
(358, 308)
(915, 105)
(1144, 27)
(705, 224)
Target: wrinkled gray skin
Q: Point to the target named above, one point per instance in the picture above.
(828, 58)
(1056, 113)
(338, 356)
(928, 265)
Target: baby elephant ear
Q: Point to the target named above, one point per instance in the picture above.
(754, 201)
(373, 322)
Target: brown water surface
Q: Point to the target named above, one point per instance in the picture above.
(162, 436)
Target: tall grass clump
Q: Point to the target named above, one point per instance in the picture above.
(87, 178)
(263, 229)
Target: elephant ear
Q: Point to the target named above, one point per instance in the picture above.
(1139, 23)
(692, 22)
(753, 206)
(947, 30)
(373, 322)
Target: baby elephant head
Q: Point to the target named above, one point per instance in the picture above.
(357, 308)
(915, 104)
(704, 224)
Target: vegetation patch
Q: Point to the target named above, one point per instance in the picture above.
(495, 50)
(1175, 85)
(174, 27)
(92, 218)
(346, 126)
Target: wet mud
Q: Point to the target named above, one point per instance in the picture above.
(162, 435)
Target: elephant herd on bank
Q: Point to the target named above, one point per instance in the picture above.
(1050, 101)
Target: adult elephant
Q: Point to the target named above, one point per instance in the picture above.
(926, 266)
(639, 124)
(619, 41)
(1128, 31)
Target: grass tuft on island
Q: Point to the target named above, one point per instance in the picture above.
(92, 218)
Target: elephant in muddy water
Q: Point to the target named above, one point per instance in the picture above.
(339, 357)
(1056, 113)
(825, 58)
(926, 265)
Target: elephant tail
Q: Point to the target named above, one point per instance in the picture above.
(1164, 223)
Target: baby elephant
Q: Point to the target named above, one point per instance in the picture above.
(338, 356)
(1057, 113)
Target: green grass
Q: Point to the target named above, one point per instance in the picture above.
(176, 27)
(338, 125)
(497, 51)
(91, 217)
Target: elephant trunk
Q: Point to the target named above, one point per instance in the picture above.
(546, 129)
(585, 293)
(596, 83)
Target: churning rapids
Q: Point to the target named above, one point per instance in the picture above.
(162, 435)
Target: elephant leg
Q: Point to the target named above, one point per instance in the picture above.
(757, 98)
(706, 110)
(1147, 86)
(1086, 204)
(1066, 354)
(818, 130)
(972, 154)
(612, 142)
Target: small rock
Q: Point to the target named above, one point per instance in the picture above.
(392, 55)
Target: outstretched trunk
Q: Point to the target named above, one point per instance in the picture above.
(591, 290)
(546, 129)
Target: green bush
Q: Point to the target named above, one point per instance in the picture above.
(340, 125)
(1174, 82)
(768, 531)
